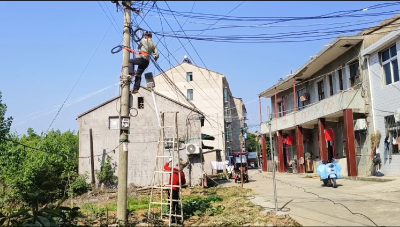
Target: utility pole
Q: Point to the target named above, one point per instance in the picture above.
(93, 183)
(273, 160)
(124, 129)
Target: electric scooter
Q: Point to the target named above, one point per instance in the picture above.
(329, 172)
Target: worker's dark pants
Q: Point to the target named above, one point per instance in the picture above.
(142, 65)
(175, 204)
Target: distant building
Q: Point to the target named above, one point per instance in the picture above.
(144, 135)
(209, 91)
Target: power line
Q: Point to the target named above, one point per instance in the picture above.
(196, 53)
(84, 69)
(117, 30)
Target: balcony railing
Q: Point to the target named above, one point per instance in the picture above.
(350, 99)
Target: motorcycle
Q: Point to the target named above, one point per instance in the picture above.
(329, 172)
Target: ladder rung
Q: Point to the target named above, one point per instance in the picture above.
(161, 171)
(160, 156)
(159, 203)
(174, 200)
(166, 187)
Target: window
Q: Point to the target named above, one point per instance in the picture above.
(389, 65)
(300, 104)
(320, 85)
(189, 76)
(140, 102)
(190, 94)
(330, 85)
(281, 109)
(390, 141)
(113, 123)
(340, 80)
(354, 73)
(226, 97)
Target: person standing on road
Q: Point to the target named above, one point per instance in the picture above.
(175, 190)
(146, 48)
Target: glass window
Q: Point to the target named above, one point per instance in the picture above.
(388, 74)
(393, 51)
(140, 103)
(340, 80)
(395, 70)
(330, 85)
(300, 104)
(385, 55)
(226, 95)
(390, 65)
(189, 76)
(190, 94)
(321, 95)
(354, 73)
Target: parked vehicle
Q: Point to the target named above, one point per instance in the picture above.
(329, 172)
(241, 166)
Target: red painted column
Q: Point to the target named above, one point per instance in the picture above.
(281, 166)
(300, 148)
(322, 141)
(263, 143)
(350, 142)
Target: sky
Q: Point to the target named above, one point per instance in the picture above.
(58, 49)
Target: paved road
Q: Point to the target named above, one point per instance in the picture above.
(380, 201)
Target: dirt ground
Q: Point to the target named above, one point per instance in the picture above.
(238, 210)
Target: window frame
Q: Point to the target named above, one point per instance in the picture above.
(114, 118)
(356, 79)
(189, 75)
(190, 98)
(322, 94)
(389, 61)
(340, 77)
(330, 81)
(300, 104)
(140, 103)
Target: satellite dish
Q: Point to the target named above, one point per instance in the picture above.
(185, 57)
(397, 115)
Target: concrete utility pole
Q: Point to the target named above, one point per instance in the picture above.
(124, 129)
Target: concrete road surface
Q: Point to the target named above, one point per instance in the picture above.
(379, 201)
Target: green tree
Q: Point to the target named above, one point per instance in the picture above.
(24, 169)
(254, 144)
(5, 123)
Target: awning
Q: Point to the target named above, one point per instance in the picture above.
(335, 49)
(206, 147)
(207, 137)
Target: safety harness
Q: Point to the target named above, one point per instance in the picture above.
(120, 47)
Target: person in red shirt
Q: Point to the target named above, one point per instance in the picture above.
(175, 190)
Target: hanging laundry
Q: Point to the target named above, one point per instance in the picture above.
(290, 140)
(218, 165)
(329, 135)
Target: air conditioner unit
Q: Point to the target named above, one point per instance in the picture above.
(192, 149)
(360, 124)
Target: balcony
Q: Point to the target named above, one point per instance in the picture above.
(330, 108)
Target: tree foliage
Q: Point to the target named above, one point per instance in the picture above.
(5, 123)
(24, 169)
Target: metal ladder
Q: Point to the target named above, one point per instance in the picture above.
(160, 158)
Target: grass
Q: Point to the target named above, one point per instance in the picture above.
(134, 204)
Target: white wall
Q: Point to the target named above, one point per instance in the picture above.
(207, 96)
(385, 101)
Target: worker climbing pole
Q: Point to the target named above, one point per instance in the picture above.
(146, 48)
